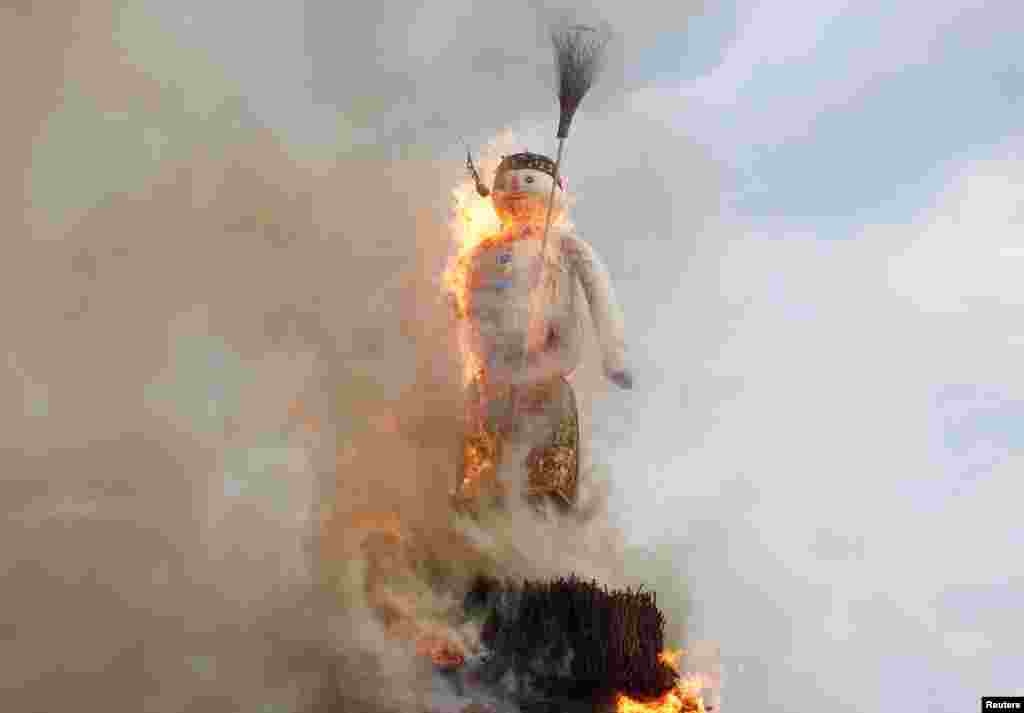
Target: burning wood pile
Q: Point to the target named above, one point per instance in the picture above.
(570, 645)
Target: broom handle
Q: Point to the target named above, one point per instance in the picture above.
(537, 300)
(551, 198)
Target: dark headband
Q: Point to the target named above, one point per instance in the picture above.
(526, 160)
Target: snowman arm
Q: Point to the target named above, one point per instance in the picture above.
(604, 308)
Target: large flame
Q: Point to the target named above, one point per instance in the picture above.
(684, 698)
(473, 221)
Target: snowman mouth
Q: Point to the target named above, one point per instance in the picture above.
(523, 197)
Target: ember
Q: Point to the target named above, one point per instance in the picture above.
(443, 652)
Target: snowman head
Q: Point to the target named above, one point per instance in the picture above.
(522, 186)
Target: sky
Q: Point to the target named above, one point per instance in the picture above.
(850, 468)
(812, 215)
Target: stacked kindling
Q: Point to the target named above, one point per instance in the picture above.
(571, 639)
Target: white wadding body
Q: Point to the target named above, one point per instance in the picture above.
(501, 274)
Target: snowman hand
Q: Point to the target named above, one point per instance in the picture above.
(622, 378)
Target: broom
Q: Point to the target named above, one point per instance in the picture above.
(579, 57)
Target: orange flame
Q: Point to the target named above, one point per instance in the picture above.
(675, 701)
(442, 651)
(684, 698)
(473, 221)
(671, 657)
(480, 454)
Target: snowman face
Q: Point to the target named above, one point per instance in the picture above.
(521, 195)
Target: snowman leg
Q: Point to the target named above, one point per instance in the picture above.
(481, 445)
(553, 463)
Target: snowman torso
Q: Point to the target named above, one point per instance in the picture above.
(501, 272)
(500, 275)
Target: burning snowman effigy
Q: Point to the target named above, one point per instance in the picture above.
(520, 324)
(514, 290)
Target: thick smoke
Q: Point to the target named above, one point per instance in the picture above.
(223, 336)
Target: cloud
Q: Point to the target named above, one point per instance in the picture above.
(770, 34)
(829, 45)
(801, 411)
(946, 270)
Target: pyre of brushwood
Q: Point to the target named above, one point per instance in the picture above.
(573, 639)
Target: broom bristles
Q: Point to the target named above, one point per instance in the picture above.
(579, 58)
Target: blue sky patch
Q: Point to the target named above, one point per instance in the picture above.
(881, 156)
(687, 52)
(977, 428)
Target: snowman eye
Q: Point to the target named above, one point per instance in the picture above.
(529, 179)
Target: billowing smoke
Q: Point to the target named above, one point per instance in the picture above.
(224, 343)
